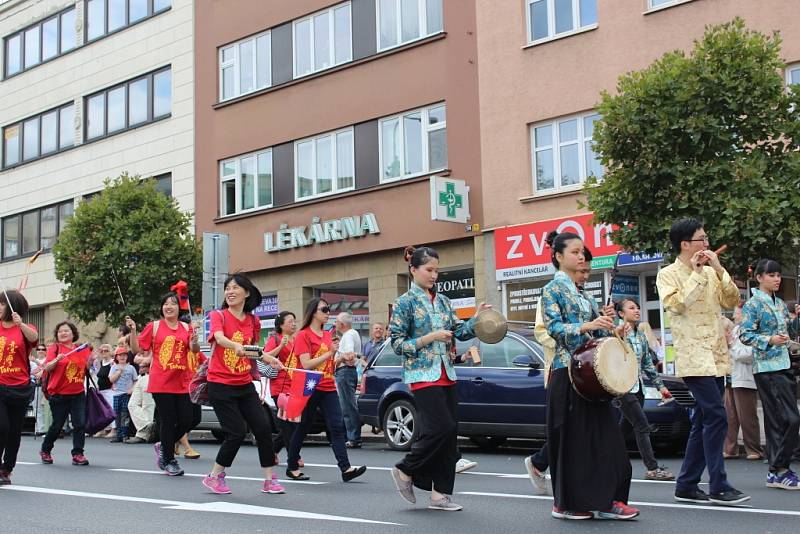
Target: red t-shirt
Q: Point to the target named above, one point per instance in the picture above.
(308, 342)
(66, 378)
(14, 351)
(226, 367)
(444, 380)
(170, 357)
(282, 382)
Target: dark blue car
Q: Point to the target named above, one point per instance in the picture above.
(502, 398)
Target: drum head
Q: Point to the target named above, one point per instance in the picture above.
(617, 369)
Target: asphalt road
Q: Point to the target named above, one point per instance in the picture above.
(121, 492)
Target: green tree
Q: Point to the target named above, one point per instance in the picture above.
(713, 135)
(132, 232)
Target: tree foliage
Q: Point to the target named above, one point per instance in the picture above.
(136, 233)
(713, 135)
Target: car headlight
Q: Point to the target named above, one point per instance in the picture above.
(651, 393)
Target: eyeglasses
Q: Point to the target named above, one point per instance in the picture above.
(40, 349)
(704, 239)
(324, 309)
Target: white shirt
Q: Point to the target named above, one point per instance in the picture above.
(350, 342)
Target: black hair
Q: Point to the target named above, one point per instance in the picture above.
(417, 257)
(124, 330)
(619, 305)
(766, 266)
(558, 242)
(587, 254)
(253, 299)
(280, 319)
(164, 298)
(311, 309)
(681, 231)
(18, 302)
(71, 326)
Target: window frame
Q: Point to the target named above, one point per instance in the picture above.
(21, 150)
(426, 130)
(650, 8)
(791, 68)
(237, 179)
(20, 226)
(555, 146)
(40, 24)
(151, 118)
(424, 32)
(551, 23)
(236, 65)
(151, 12)
(335, 190)
(331, 12)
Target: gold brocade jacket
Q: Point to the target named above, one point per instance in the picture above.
(694, 302)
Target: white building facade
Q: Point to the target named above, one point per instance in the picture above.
(89, 89)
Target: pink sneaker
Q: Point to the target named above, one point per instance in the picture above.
(217, 484)
(273, 486)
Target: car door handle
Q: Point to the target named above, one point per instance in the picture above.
(477, 380)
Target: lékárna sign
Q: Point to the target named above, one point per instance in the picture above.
(319, 232)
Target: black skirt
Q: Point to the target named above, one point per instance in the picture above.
(589, 463)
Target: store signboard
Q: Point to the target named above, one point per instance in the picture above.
(625, 286)
(639, 258)
(268, 307)
(521, 251)
(523, 297)
(459, 287)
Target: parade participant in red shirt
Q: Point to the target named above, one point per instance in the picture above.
(17, 339)
(316, 349)
(230, 383)
(169, 341)
(196, 359)
(281, 345)
(65, 366)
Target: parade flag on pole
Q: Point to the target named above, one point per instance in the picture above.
(24, 282)
(303, 385)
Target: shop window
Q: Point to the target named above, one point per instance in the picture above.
(552, 19)
(413, 144)
(563, 153)
(404, 21)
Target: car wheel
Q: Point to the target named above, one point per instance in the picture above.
(219, 435)
(399, 428)
(488, 442)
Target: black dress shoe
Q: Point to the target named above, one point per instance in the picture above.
(347, 476)
(299, 476)
(353, 444)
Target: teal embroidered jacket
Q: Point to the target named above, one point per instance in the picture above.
(565, 310)
(413, 316)
(762, 318)
(638, 342)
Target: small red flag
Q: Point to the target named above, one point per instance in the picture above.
(292, 404)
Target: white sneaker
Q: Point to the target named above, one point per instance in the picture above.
(538, 479)
(465, 465)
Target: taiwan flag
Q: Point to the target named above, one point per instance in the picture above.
(292, 404)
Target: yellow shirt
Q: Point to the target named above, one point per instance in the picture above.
(547, 342)
(693, 302)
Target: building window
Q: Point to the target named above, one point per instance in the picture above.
(107, 16)
(793, 74)
(25, 233)
(324, 165)
(127, 105)
(322, 40)
(403, 21)
(163, 183)
(245, 66)
(548, 19)
(246, 183)
(39, 136)
(562, 153)
(413, 143)
(43, 41)
(654, 4)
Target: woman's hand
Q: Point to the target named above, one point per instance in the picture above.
(601, 323)
(444, 336)
(238, 349)
(665, 394)
(483, 306)
(284, 341)
(779, 339)
(273, 362)
(16, 319)
(130, 323)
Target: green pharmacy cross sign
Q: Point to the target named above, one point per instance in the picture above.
(450, 199)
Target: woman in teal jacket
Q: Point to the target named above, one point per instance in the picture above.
(422, 329)
(764, 327)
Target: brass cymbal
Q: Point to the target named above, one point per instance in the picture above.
(490, 326)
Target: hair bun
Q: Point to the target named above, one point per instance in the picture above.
(550, 239)
(408, 252)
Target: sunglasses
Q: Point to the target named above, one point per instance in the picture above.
(324, 309)
(41, 348)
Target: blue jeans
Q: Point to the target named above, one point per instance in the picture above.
(707, 437)
(328, 402)
(346, 380)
